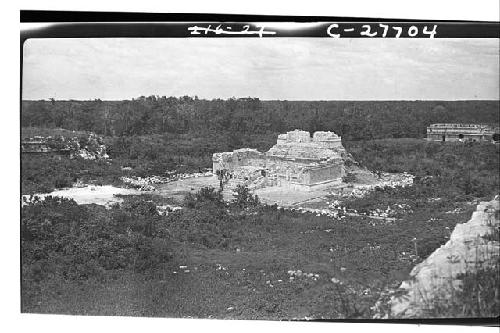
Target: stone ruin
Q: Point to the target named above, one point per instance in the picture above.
(90, 147)
(462, 133)
(297, 160)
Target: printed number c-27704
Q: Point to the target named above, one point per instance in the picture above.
(382, 30)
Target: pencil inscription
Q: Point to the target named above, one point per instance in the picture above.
(228, 30)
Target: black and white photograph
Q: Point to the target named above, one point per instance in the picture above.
(233, 168)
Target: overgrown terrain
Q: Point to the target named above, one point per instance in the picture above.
(236, 256)
(353, 120)
(243, 259)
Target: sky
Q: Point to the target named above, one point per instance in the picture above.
(266, 68)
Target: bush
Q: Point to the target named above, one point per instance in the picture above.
(210, 228)
(349, 178)
(44, 173)
(478, 297)
(243, 198)
(74, 242)
(449, 170)
(206, 196)
(62, 181)
(480, 294)
(209, 194)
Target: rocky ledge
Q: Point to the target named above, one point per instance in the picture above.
(473, 246)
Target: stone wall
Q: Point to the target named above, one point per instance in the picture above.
(460, 132)
(90, 147)
(325, 173)
(300, 145)
(328, 140)
(233, 160)
(297, 158)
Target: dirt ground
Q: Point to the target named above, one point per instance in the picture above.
(179, 188)
(287, 196)
(283, 196)
(100, 195)
(271, 195)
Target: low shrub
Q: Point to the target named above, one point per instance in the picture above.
(477, 297)
(64, 239)
(349, 178)
(243, 198)
(205, 197)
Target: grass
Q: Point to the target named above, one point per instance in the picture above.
(262, 248)
(443, 292)
(41, 174)
(364, 255)
(475, 294)
(30, 132)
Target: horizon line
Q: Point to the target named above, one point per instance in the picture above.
(264, 100)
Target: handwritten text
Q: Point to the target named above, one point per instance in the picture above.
(228, 30)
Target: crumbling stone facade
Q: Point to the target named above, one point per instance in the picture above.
(297, 159)
(461, 132)
(90, 147)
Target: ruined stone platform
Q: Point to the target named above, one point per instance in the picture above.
(298, 161)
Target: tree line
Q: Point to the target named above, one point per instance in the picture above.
(353, 120)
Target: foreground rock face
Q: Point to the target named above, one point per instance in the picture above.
(297, 159)
(434, 279)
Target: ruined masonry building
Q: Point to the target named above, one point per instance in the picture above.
(461, 132)
(297, 159)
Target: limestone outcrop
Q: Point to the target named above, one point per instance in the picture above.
(434, 280)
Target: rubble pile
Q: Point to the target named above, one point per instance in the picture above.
(93, 148)
(147, 183)
(191, 175)
(144, 183)
(299, 274)
(164, 210)
(457, 210)
(338, 211)
(389, 212)
(386, 180)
